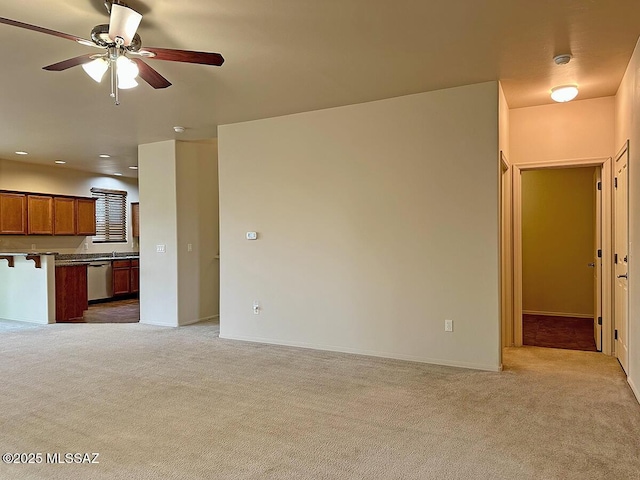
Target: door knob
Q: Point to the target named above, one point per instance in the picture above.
(592, 265)
(623, 276)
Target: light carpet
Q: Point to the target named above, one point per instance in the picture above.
(184, 404)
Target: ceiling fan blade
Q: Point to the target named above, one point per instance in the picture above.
(35, 28)
(187, 56)
(72, 62)
(151, 76)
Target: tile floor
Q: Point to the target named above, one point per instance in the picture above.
(118, 311)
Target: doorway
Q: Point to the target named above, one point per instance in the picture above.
(599, 325)
(559, 244)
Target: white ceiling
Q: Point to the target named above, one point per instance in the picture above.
(288, 56)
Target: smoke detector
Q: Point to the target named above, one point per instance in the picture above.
(179, 129)
(562, 59)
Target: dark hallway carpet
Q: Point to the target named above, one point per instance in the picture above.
(558, 332)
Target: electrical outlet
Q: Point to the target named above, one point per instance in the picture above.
(448, 325)
(86, 245)
(189, 247)
(33, 247)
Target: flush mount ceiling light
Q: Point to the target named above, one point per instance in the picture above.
(104, 155)
(179, 129)
(564, 93)
(118, 174)
(21, 153)
(60, 162)
(119, 41)
(133, 167)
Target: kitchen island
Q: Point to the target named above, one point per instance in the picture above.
(27, 287)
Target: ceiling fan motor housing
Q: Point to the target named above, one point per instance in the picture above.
(100, 36)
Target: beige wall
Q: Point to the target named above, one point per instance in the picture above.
(628, 127)
(376, 223)
(506, 247)
(562, 131)
(197, 197)
(62, 181)
(178, 208)
(558, 241)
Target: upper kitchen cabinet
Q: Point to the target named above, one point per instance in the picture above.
(40, 215)
(135, 219)
(64, 211)
(13, 213)
(86, 216)
(29, 213)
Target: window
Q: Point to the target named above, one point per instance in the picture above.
(111, 215)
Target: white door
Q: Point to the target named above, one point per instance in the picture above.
(597, 260)
(621, 258)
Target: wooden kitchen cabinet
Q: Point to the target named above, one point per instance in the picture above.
(64, 216)
(39, 215)
(71, 292)
(30, 213)
(86, 216)
(135, 219)
(121, 277)
(13, 213)
(135, 276)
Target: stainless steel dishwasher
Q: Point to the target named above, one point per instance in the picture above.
(99, 281)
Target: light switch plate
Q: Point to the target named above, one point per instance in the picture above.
(252, 235)
(161, 248)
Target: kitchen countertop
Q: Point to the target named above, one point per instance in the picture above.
(24, 254)
(87, 261)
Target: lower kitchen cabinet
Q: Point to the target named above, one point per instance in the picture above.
(71, 292)
(135, 276)
(121, 277)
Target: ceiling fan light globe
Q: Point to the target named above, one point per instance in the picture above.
(127, 68)
(126, 83)
(96, 68)
(123, 23)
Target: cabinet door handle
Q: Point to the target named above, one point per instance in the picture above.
(623, 276)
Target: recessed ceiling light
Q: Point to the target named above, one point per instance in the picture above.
(565, 93)
(118, 174)
(22, 153)
(60, 162)
(133, 167)
(104, 155)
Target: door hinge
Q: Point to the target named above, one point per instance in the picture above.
(615, 182)
(599, 320)
(615, 335)
(599, 185)
(615, 258)
(599, 253)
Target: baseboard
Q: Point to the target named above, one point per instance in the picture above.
(557, 314)
(197, 320)
(634, 389)
(30, 322)
(370, 353)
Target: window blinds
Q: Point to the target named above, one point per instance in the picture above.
(111, 215)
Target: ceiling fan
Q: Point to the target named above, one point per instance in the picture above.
(123, 47)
